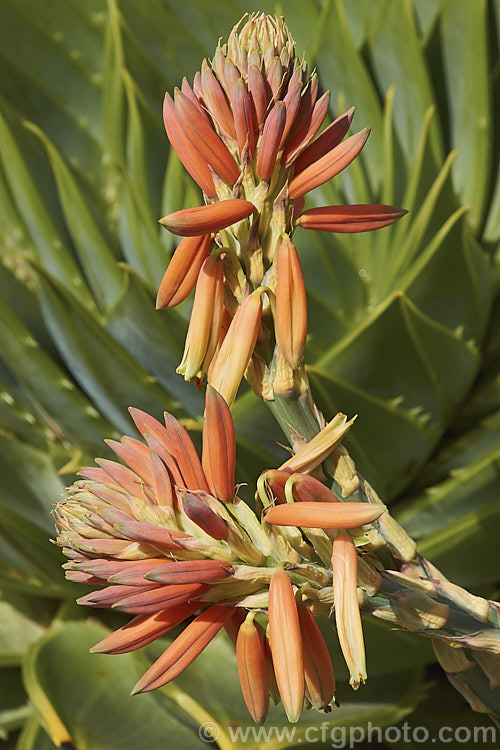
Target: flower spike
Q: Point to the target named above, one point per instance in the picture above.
(206, 320)
(237, 348)
(347, 617)
(161, 534)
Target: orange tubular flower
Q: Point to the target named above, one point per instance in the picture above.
(320, 447)
(219, 447)
(324, 515)
(318, 670)
(190, 222)
(184, 650)
(187, 153)
(329, 138)
(271, 138)
(328, 165)
(286, 644)
(252, 668)
(291, 305)
(180, 277)
(349, 218)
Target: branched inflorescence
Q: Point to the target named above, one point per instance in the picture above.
(164, 535)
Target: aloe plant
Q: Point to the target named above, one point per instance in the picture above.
(402, 323)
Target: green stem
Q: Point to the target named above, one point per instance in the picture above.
(296, 415)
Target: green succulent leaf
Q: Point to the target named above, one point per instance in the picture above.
(90, 705)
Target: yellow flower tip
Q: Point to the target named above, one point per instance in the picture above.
(347, 615)
(206, 319)
(291, 304)
(321, 515)
(182, 273)
(286, 644)
(190, 222)
(252, 664)
(189, 571)
(219, 446)
(313, 453)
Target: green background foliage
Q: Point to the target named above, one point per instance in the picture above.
(403, 323)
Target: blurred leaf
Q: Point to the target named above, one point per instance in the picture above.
(92, 247)
(91, 699)
(474, 484)
(29, 483)
(477, 534)
(104, 369)
(62, 91)
(420, 403)
(28, 562)
(465, 57)
(68, 412)
(49, 239)
(397, 59)
(33, 737)
(13, 708)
